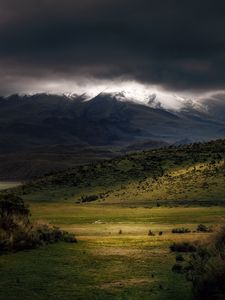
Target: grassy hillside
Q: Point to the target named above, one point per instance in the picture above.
(174, 175)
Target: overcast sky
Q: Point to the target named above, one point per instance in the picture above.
(53, 45)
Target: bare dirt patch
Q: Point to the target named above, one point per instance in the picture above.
(127, 283)
(108, 251)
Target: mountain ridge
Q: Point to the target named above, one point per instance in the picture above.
(32, 127)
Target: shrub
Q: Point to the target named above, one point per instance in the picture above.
(182, 247)
(68, 237)
(205, 268)
(4, 240)
(89, 198)
(179, 257)
(12, 211)
(49, 235)
(181, 230)
(12, 205)
(18, 233)
(150, 233)
(177, 268)
(203, 228)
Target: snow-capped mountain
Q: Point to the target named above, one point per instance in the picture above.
(158, 100)
(37, 127)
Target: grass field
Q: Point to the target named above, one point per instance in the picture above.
(105, 264)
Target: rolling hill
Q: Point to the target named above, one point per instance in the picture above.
(184, 175)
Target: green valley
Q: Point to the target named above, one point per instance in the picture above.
(122, 212)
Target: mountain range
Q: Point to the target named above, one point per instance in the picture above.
(41, 133)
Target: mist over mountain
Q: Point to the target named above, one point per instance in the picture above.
(40, 129)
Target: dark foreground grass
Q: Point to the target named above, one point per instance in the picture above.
(105, 264)
(85, 271)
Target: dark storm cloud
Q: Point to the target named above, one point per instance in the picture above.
(176, 44)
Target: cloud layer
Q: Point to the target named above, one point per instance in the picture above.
(178, 45)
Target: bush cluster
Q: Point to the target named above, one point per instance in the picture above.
(18, 233)
(183, 247)
(181, 230)
(151, 233)
(203, 228)
(89, 198)
(205, 268)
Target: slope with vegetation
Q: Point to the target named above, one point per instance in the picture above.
(171, 176)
